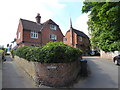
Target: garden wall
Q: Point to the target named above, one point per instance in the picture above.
(109, 55)
(51, 74)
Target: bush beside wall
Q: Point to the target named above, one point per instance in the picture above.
(52, 52)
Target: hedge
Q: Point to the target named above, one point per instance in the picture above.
(52, 52)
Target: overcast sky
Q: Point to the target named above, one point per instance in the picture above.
(60, 11)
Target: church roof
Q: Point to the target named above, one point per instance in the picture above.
(79, 33)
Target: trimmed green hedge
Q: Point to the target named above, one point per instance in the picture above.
(52, 52)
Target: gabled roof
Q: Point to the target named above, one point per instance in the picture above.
(30, 25)
(50, 22)
(79, 33)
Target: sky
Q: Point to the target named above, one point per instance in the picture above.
(60, 11)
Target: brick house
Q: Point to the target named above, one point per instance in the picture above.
(31, 33)
(77, 39)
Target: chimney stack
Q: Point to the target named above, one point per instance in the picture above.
(38, 18)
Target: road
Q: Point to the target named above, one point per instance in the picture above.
(103, 74)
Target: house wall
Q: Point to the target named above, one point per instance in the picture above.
(20, 29)
(25, 36)
(84, 44)
(68, 39)
(46, 31)
(31, 41)
(68, 42)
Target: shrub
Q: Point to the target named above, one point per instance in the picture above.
(1, 52)
(52, 52)
(22, 51)
(12, 53)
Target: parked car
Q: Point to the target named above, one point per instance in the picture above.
(116, 59)
(94, 53)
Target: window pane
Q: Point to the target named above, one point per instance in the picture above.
(53, 37)
(80, 38)
(34, 34)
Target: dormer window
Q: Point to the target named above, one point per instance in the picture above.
(53, 27)
(34, 34)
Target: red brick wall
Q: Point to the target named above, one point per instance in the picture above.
(27, 37)
(20, 29)
(62, 73)
(46, 31)
(68, 38)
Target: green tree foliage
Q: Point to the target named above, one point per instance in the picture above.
(104, 24)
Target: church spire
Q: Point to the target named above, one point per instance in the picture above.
(70, 23)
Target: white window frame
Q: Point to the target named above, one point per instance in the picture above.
(64, 39)
(53, 37)
(18, 35)
(53, 27)
(81, 38)
(34, 34)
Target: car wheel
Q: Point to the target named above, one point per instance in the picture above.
(116, 62)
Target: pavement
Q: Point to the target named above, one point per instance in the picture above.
(0, 72)
(102, 74)
(15, 77)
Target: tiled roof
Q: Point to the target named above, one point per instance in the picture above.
(50, 22)
(30, 25)
(79, 33)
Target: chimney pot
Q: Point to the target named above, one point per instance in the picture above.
(38, 18)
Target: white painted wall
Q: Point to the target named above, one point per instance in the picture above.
(109, 55)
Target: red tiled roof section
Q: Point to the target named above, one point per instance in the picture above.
(50, 22)
(30, 25)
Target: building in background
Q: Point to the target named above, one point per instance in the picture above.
(31, 33)
(77, 39)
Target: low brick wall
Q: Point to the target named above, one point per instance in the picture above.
(50, 74)
(59, 74)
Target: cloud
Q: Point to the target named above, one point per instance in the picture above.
(13, 10)
(81, 23)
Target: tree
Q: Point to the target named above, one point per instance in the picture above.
(104, 24)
